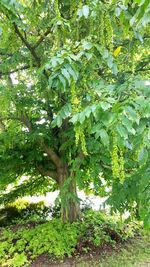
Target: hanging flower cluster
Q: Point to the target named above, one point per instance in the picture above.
(79, 130)
(117, 162)
(105, 28)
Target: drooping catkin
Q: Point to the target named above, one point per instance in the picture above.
(101, 29)
(79, 129)
(117, 156)
(108, 31)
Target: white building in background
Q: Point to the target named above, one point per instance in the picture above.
(95, 202)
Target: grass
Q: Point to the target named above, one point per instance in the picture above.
(135, 254)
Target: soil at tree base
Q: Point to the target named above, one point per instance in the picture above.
(93, 258)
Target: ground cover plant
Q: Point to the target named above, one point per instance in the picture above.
(20, 245)
(135, 253)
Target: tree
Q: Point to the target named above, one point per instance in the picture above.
(73, 85)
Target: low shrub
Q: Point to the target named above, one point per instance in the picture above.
(99, 228)
(22, 211)
(21, 244)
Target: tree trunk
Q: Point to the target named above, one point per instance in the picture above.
(74, 212)
(70, 208)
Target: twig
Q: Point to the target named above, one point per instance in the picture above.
(41, 39)
(15, 70)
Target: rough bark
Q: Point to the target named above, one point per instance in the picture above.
(70, 209)
(73, 207)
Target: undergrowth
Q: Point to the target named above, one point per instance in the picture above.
(19, 246)
(21, 211)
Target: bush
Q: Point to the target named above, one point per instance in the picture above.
(22, 211)
(99, 228)
(20, 245)
(53, 237)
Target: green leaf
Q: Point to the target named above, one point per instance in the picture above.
(66, 75)
(105, 105)
(96, 128)
(143, 156)
(54, 62)
(104, 137)
(81, 117)
(62, 80)
(50, 81)
(62, 114)
(88, 112)
(114, 69)
(110, 61)
(59, 121)
(108, 118)
(131, 113)
(87, 45)
(147, 220)
(122, 131)
(72, 72)
(128, 124)
(75, 118)
(67, 110)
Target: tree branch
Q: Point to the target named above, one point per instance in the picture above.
(49, 173)
(106, 166)
(30, 48)
(5, 54)
(16, 70)
(2, 125)
(41, 39)
(52, 155)
(142, 69)
(24, 118)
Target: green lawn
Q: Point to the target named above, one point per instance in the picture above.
(136, 254)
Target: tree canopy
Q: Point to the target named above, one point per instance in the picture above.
(74, 101)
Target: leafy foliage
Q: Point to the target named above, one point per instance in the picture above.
(21, 245)
(74, 98)
(21, 211)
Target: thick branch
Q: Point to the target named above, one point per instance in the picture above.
(49, 173)
(52, 155)
(24, 118)
(31, 49)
